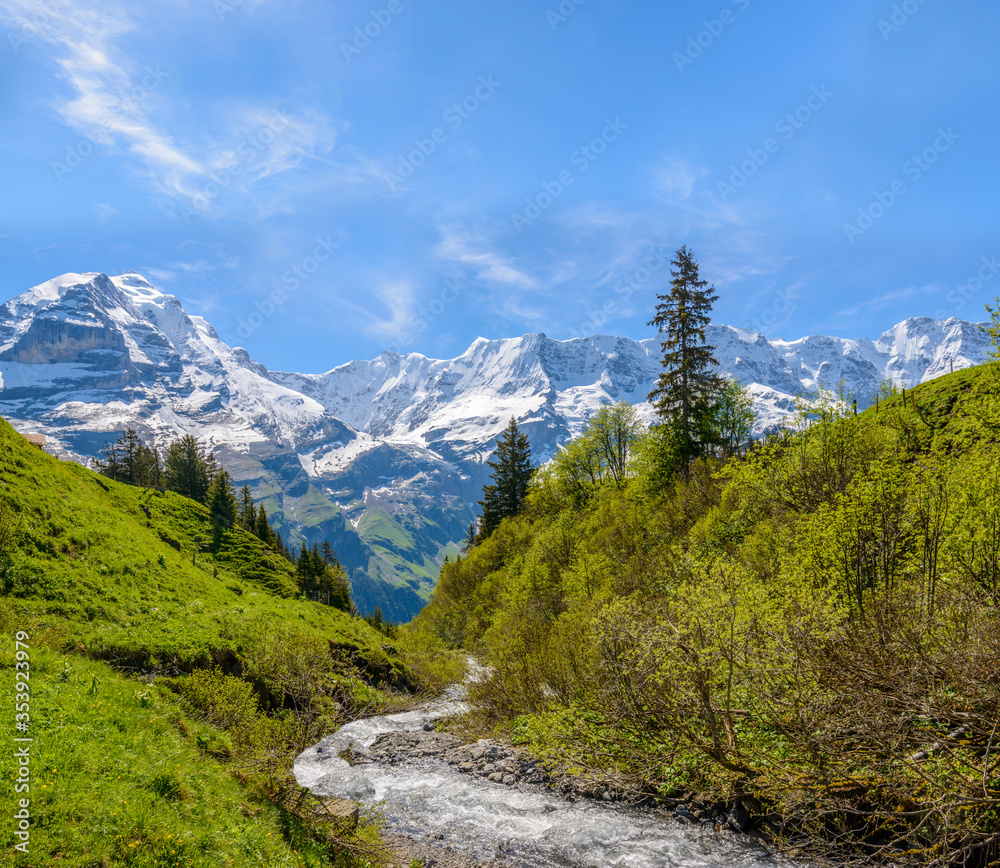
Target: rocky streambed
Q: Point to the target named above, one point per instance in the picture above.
(456, 804)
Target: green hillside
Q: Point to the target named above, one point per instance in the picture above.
(810, 630)
(174, 673)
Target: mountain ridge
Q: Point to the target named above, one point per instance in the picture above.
(385, 457)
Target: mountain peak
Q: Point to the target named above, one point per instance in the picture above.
(383, 457)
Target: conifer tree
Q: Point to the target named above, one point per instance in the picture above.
(263, 530)
(247, 515)
(687, 388)
(328, 554)
(511, 463)
(148, 469)
(186, 469)
(222, 501)
(129, 446)
(320, 580)
(131, 461)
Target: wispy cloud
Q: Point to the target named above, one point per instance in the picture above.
(891, 299)
(113, 98)
(399, 300)
(676, 179)
(473, 249)
(120, 102)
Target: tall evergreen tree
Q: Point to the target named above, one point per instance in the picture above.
(148, 468)
(263, 530)
(322, 581)
(131, 461)
(328, 554)
(222, 501)
(247, 515)
(688, 388)
(186, 469)
(511, 464)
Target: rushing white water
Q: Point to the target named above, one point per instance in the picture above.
(531, 827)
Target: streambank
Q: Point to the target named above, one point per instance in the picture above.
(492, 805)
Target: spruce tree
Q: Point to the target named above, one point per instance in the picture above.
(511, 464)
(186, 469)
(130, 456)
(687, 389)
(131, 461)
(263, 530)
(329, 555)
(247, 516)
(148, 470)
(222, 501)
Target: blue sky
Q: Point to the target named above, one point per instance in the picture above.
(324, 181)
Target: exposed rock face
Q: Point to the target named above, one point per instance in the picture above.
(385, 458)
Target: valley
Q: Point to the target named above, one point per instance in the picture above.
(384, 459)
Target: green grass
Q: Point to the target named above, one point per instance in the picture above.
(380, 529)
(99, 576)
(119, 587)
(119, 776)
(941, 412)
(313, 508)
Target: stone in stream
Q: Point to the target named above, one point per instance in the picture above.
(339, 811)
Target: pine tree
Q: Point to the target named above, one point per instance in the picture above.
(304, 574)
(186, 469)
(129, 452)
(148, 468)
(263, 530)
(320, 580)
(328, 554)
(247, 515)
(222, 501)
(131, 461)
(687, 388)
(511, 464)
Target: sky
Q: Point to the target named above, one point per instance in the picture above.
(327, 181)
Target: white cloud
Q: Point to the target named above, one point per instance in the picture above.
(676, 178)
(399, 299)
(891, 299)
(471, 249)
(122, 104)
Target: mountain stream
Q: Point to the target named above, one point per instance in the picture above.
(525, 825)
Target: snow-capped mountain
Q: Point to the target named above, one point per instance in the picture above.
(459, 406)
(384, 458)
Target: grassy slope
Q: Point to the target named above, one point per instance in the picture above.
(119, 778)
(566, 604)
(121, 774)
(96, 572)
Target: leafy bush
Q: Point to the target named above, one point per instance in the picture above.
(811, 628)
